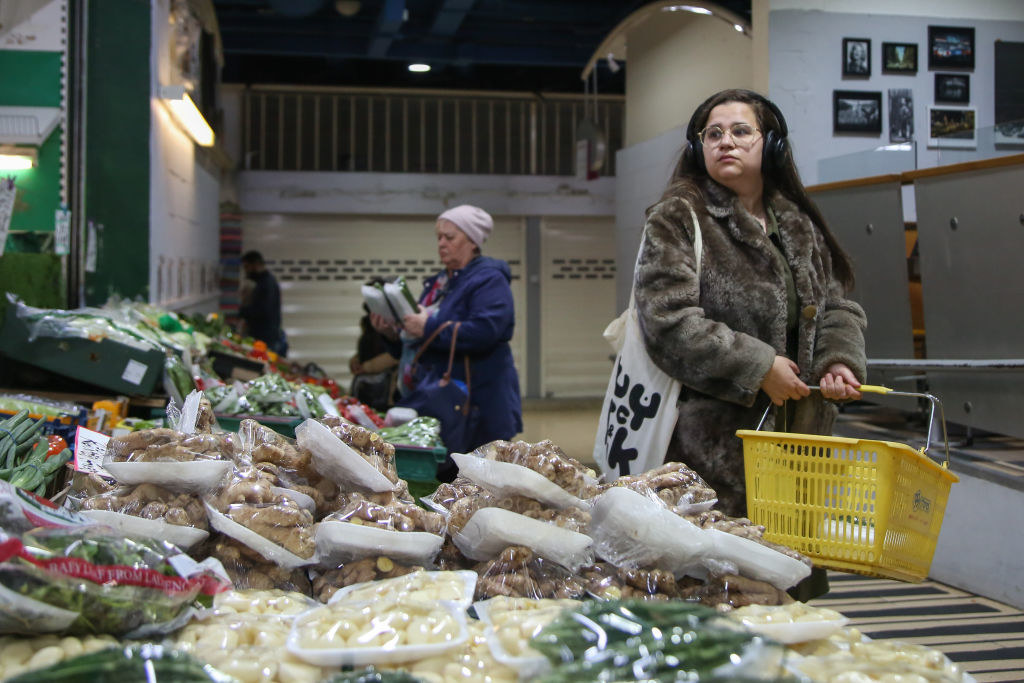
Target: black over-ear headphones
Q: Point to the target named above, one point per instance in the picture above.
(773, 154)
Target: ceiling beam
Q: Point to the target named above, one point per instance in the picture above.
(389, 21)
(450, 17)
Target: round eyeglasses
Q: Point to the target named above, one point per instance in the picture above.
(742, 134)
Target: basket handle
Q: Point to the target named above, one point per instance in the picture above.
(886, 391)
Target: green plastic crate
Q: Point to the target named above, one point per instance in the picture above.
(418, 463)
(282, 425)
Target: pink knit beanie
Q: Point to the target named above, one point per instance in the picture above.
(474, 221)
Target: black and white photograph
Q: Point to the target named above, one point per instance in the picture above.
(954, 88)
(901, 115)
(856, 57)
(950, 47)
(952, 127)
(899, 58)
(856, 112)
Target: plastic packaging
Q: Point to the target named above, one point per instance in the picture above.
(357, 634)
(510, 479)
(373, 468)
(633, 530)
(678, 486)
(23, 655)
(605, 581)
(327, 581)
(398, 416)
(491, 530)
(249, 570)
(792, 623)
(473, 662)
(248, 509)
(546, 459)
(113, 584)
(512, 622)
(424, 432)
(517, 572)
(651, 641)
(187, 477)
(184, 537)
(21, 511)
(420, 586)
(152, 502)
(757, 561)
(342, 542)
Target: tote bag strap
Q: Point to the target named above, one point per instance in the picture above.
(698, 251)
(447, 377)
(429, 340)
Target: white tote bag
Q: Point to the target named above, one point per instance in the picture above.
(639, 409)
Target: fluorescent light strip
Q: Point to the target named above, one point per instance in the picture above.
(187, 114)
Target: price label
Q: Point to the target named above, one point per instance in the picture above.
(7, 194)
(62, 232)
(90, 448)
(134, 372)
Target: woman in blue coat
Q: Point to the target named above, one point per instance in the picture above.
(474, 290)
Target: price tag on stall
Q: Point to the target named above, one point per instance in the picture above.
(62, 232)
(90, 448)
(7, 194)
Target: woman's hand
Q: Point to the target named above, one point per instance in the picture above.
(783, 382)
(414, 323)
(839, 383)
(384, 326)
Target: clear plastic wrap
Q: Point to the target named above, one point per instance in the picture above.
(250, 509)
(512, 622)
(548, 460)
(420, 586)
(112, 584)
(491, 530)
(731, 590)
(517, 572)
(192, 463)
(570, 518)
(793, 623)
(757, 561)
(21, 511)
(605, 581)
(473, 662)
(327, 581)
(633, 530)
(654, 641)
(348, 454)
(742, 527)
(379, 632)
(364, 528)
(882, 660)
(82, 323)
(250, 570)
(152, 502)
(446, 494)
(510, 479)
(674, 483)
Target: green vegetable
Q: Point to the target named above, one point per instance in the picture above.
(371, 675)
(653, 641)
(114, 606)
(132, 664)
(179, 375)
(421, 431)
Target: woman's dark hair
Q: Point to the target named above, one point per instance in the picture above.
(779, 175)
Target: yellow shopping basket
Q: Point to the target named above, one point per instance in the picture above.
(856, 505)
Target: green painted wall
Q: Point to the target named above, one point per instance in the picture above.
(37, 84)
(117, 146)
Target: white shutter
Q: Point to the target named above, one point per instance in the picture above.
(577, 302)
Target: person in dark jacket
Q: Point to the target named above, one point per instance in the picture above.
(261, 305)
(769, 315)
(472, 289)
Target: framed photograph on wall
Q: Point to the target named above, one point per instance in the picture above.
(901, 115)
(899, 58)
(856, 112)
(856, 57)
(955, 88)
(952, 127)
(950, 47)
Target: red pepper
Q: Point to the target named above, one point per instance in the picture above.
(57, 444)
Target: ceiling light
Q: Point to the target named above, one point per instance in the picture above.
(14, 158)
(738, 27)
(187, 114)
(419, 68)
(687, 8)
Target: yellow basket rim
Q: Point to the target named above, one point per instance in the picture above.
(903, 448)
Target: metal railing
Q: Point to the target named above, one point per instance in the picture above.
(404, 131)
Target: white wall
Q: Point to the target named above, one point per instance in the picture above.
(805, 67)
(676, 60)
(184, 215)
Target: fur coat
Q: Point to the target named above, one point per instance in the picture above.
(720, 336)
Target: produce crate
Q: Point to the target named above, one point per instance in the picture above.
(282, 425)
(855, 505)
(419, 463)
(105, 363)
(229, 365)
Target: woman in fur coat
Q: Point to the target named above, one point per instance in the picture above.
(769, 315)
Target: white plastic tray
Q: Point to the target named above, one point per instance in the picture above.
(182, 536)
(490, 530)
(196, 476)
(250, 538)
(510, 479)
(757, 561)
(356, 656)
(337, 461)
(405, 587)
(341, 542)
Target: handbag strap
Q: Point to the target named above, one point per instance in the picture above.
(430, 339)
(447, 377)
